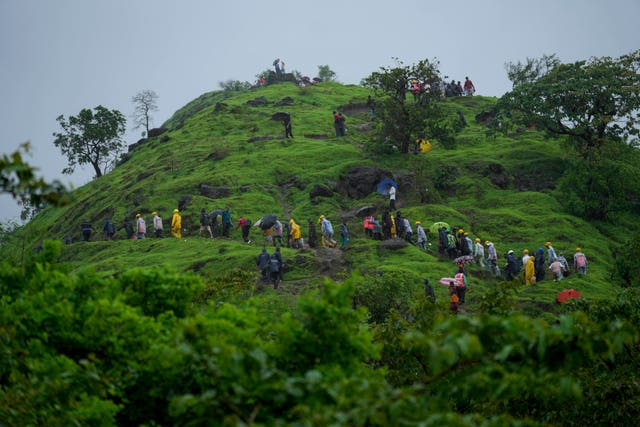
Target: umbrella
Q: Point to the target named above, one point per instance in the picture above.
(267, 221)
(446, 281)
(365, 210)
(281, 116)
(568, 294)
(433, 228)
(463, 259)
(383, 186)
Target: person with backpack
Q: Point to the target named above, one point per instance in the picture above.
(580, 262)
(478, 253)
(141, 227)
(277, 233)
(512, 268)
(327, 232)
(128, 228)
(109, 229)
(86, 229)
(551, 252)
(460, 283)
(157, 224)
(492, 258)
(262, 261)
(452, 251)
(275, 268)
(205, 223)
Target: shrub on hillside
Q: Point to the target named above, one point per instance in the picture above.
(156, 291)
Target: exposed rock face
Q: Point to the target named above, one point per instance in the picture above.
(485, 117)
(393, 244)
(359, 182)
(156, 132)
(287, 100)
(498, 175)
(320, 190)
(214, 192)
(257, 102)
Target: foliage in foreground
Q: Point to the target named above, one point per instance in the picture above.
(78, 349)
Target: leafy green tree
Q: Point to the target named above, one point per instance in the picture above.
(145, 102)
(234, 86)
(592, 102)
(531, 70)
(93, 137)
(326, 74)
(19, 179)
(594, 106)
(403, 122)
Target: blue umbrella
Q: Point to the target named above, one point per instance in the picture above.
(383, 186)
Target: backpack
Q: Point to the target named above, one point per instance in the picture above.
(274, 265)
(247, 223)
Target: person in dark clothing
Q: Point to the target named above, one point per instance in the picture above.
(128, 228)
(205, 223)
(313, 237)
(512, 268)
(371, 103)
(428, 290)
(442, 240)
(263, 264)
(399, 225)
(278, 256)
(109, 229)
(275, 268)
(85, 228)
(539, 265)
(226, 222)
(287, 128)
(386, 224)
(338, 123)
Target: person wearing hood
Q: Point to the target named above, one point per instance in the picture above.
(551, 253)
(492, 258)
(157, 224)
(176, 224)
(530, 271)
(539, 262)
(327, 232)
(422, 236)
(408, 232)
(461, 283)
(512, 268)
(141, 227)
(262, 261)
(109, 229)
(478, 253)
(296, 234)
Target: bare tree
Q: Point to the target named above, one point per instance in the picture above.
(145, 104)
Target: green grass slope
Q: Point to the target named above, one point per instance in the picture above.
(499, 188)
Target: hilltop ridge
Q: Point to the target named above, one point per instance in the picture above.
(226, 150)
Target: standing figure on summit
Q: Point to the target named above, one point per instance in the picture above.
(469, 88)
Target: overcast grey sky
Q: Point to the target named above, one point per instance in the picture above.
(60, 56)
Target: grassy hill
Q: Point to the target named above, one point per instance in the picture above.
(497, 187)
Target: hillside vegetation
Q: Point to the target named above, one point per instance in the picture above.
(182, 331)
(499, 188)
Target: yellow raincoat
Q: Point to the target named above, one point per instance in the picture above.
(176, 224)
(529, 271)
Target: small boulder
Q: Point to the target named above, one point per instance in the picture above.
(156, 132)
(214, 192)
